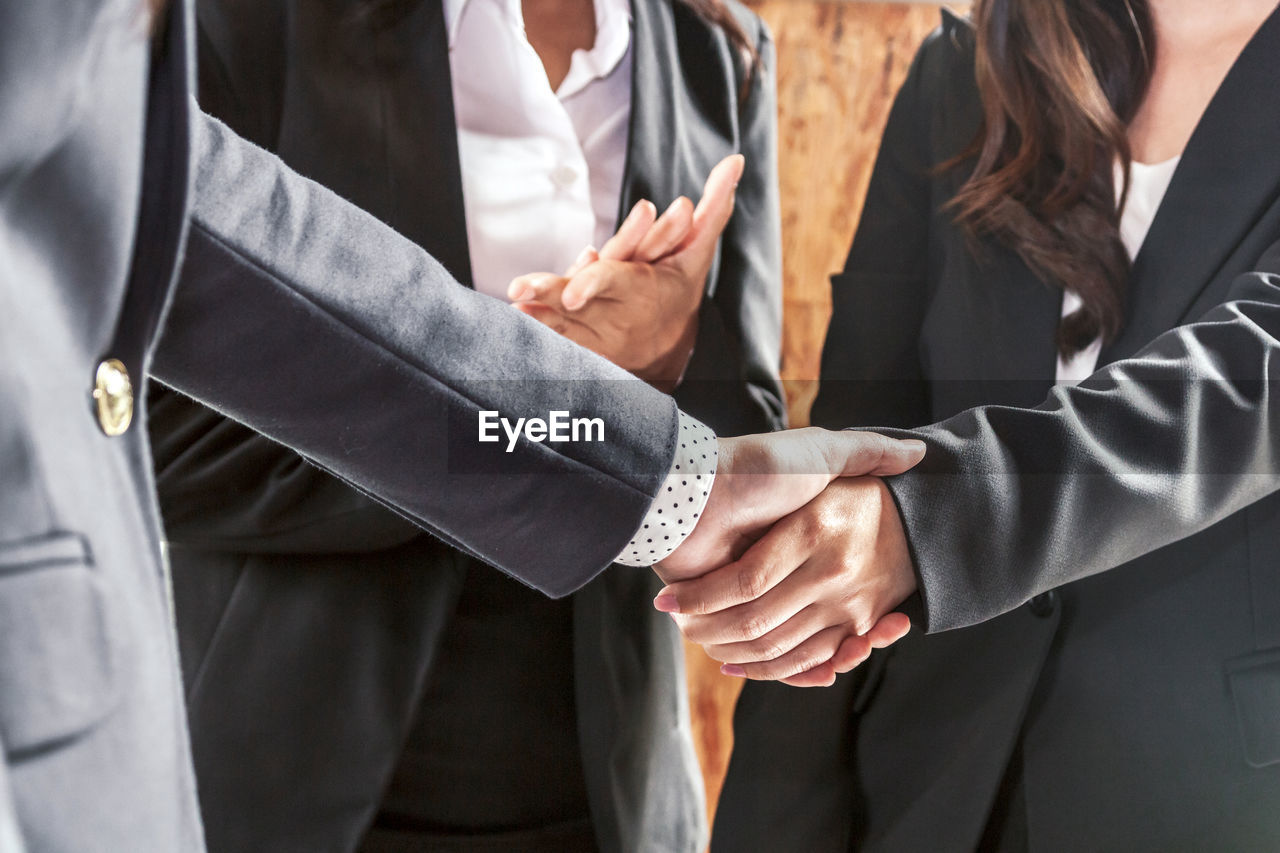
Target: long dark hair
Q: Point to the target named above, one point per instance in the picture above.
(383, 14)
(1060, 82)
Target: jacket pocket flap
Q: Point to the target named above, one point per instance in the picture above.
(1255, 686)
(56, 667)
(34, 553)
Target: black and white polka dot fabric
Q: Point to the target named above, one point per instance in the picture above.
(680, 499)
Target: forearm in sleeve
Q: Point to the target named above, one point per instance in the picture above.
(224, 487)
(1009, 503)
(308, 320)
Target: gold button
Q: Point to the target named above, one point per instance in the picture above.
(113, 393)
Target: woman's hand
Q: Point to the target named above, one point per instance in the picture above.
(636, 301)
(812, 597)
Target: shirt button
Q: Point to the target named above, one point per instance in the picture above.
(564, 176)
(113, 395)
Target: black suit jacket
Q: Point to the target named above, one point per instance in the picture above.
(309, 617)
(1134, 702)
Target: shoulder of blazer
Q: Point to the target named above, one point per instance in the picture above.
(757, 31)
(941, 90)
(692, 30)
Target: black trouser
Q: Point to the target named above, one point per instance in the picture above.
(492, 761)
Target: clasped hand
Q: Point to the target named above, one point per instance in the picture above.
(801, 594)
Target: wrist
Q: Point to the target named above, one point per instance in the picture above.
(680, 499)
(667, 369)
(898, 579)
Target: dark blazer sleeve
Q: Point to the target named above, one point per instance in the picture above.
(221, 485)
(871, 371)
(1010, 502)
(224, 487)
(308, 320)
(732, 380)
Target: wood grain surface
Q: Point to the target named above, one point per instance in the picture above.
(839, 65)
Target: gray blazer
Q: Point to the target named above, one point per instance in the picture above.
(309, 617)
(99, 145)
(1122, 537)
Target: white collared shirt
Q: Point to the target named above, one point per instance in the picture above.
(542, 171)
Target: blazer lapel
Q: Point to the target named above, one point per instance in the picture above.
(420, 128)
(380, 93)
(680, 127)
(1228, 178)
(652, 134)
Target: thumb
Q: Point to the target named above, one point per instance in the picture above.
(532, 285)
(586, 285)
(856, 454)
(888, 630)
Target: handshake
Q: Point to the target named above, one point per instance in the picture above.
(806, 551)
(809, 556)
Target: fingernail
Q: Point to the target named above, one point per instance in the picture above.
(667, 603)
(915, 444)
(521, 293)
(584, 255)
(733, 670)
(638, 210)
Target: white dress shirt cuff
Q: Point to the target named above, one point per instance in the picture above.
(680, 499)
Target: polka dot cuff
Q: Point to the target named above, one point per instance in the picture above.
(680, 499)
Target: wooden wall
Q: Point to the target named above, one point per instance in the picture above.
(839, 65)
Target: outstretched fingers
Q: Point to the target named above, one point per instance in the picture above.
(623, 244)
(711, 216)
(671, 229)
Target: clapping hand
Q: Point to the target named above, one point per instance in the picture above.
(636, 300)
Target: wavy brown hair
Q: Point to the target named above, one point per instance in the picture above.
(1060, 81)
